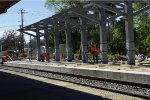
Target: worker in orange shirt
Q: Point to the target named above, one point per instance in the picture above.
(94, 50)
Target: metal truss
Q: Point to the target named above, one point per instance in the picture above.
(92, 12)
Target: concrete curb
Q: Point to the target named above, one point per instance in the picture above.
(118, 75)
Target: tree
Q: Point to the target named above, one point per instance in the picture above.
(10, 41)
(61, 5)
(142, 30)
(93, 35)
(117, 45)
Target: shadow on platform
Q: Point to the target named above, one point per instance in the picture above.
(13, 87)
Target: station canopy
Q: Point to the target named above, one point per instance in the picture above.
(88, 11)
(5, 4)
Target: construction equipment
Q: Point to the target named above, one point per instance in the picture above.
(8, 56)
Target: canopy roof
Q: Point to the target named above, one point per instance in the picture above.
(112, 9)
(5, 4)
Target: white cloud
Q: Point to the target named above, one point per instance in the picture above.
(1, 32)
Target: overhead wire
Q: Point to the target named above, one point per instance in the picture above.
(9, 26)
(28, 13)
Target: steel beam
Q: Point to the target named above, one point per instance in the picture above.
(29, 34)
(104, 6)
(112, 18)
(85, 16)
(67, 17)
(118, 4)
(68, 22)
(40, 34)
(141, 10)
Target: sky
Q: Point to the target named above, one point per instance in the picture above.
(34, 11)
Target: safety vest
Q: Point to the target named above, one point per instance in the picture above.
(46, 55)
(94, 49)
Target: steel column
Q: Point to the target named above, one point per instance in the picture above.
(129, 33)
(30, 47)
(46, 37)
(38, 45)
(84, 50)
(56, 44)
(103, 37)
(68, 43)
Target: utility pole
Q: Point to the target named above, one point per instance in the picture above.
(20, 40)
(1, 52)
(30, 47)
(22, 36)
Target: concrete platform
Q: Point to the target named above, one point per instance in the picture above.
(132, 74)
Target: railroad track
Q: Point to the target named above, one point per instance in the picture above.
(134, 89)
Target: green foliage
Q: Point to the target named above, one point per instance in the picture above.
(117, 45)
(117, 56)
(93, 35)
(25, 55)
(142, 31)
(137, 6)
(61, 5)
(51, 40)
(119, 31)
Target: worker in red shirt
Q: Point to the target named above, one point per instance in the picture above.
(94, 50)
(47, 57)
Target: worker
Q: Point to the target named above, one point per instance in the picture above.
(42, 57)
(5, 58)
(47, 57)
(94, 50)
